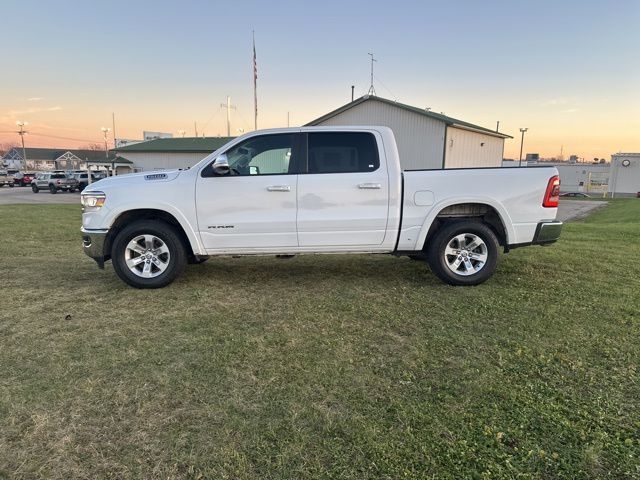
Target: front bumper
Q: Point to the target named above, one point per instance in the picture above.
(547, 232)
(93, 244)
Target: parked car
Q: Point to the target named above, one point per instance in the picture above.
(575, 194)
(6, 179)
(24, 179)
(83, 179)
(317, 190)
(54, 182)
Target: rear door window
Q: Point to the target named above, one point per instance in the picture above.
(342, 152)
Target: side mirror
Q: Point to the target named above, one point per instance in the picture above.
(221, 165)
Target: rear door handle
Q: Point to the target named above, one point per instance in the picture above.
(370, 186)
(279, 188)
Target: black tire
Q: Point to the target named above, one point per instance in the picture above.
(438, 261)
(81, 187)
(167, 234)
(53, 190)
(11, 185)
(34, 188)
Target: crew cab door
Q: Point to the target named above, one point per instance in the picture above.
(343, 198)
(253, 207)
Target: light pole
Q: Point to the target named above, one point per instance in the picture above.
(105, 131)
(22, 124)
(522, 130)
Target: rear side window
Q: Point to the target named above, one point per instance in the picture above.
(58, 175)
(342, 152)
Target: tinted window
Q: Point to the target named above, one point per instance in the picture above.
(58, 175)
(342, 152)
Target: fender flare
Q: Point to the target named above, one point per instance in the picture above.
(438, 207)
(185, 224)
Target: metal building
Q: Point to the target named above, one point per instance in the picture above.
(169, 153)
(625, 174)
(426, 140)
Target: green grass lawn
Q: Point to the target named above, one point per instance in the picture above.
(321, 366)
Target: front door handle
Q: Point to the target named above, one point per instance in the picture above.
(279, 188)
(370, 186)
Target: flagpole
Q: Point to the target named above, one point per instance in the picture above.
(255, 83)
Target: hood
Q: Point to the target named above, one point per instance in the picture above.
(141, 178)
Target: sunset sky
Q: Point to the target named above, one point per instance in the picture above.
(569, 71)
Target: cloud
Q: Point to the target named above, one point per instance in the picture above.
(570, 110)
(553, 102)
(34, 99)
(12, 115)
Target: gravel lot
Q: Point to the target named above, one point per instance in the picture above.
(16, 195)
(577, 209)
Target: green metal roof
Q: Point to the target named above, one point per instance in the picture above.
(188, 144)
(454, 122)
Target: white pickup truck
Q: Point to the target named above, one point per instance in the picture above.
(316, 190)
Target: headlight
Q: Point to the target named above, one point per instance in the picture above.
(92, 201)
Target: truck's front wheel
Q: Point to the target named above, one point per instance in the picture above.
(464, 253)
(148, 254)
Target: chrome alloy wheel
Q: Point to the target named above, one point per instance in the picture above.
(147, 256)
(465, 254)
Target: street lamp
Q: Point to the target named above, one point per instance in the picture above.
(105, 131)
(522, 130)
(22, 124)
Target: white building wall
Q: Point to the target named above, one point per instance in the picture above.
(420, 139)
(146, 161)
(625, 180)
(465, 149)
(575, 177)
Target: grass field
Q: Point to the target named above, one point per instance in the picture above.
(321, 367)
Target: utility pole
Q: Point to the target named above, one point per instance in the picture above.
(521, 145)
(372, 91)
(228, 106)
(113, 122)
(22, 132)
(105, 131)
(255, 83)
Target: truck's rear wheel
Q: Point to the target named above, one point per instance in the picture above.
(53, 190)
(464, 253)
(34, 188)
(148, 254)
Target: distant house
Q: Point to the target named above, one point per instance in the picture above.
(62, 159)
(425, 139)
(169, 153)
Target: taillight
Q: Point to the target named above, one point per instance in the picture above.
(552, 195)
(58, 182)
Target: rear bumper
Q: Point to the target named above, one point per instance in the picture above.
(547, 232)
(93, 243)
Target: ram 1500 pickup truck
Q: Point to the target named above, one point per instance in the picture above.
(316, 190)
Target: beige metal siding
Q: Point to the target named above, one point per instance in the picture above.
(147, 161)
(420, 139)
(466, 149)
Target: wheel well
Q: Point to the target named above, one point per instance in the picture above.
(477, 211)
(129, 216)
